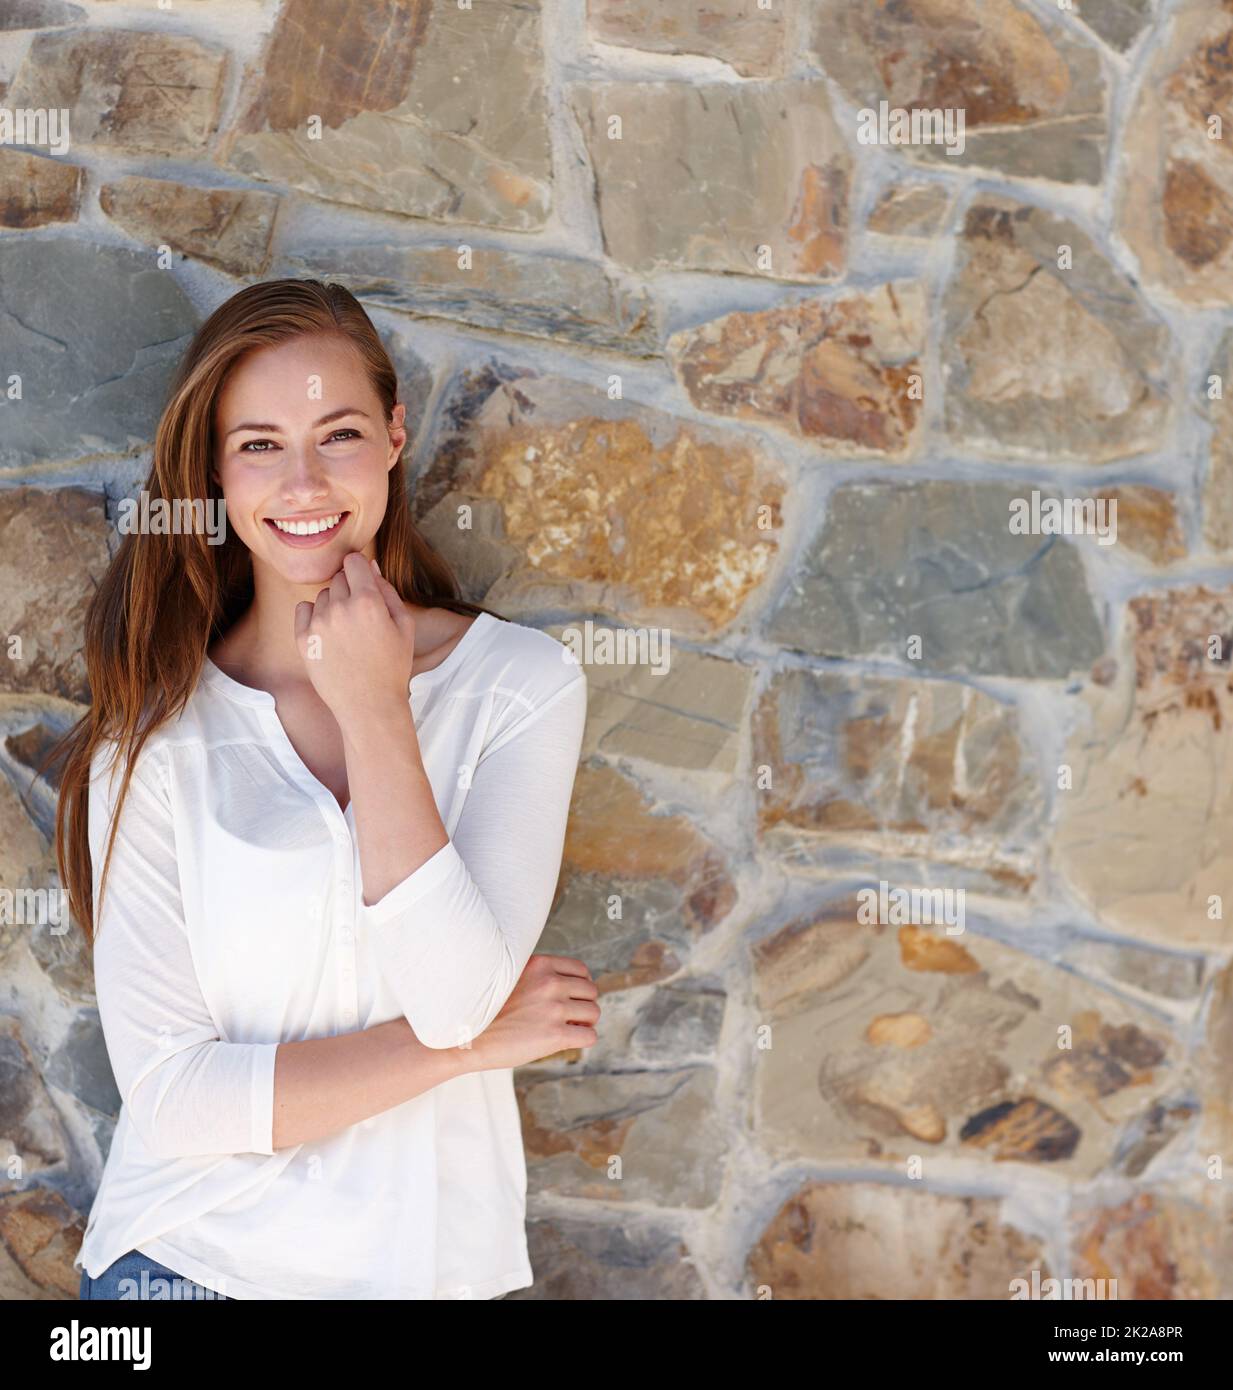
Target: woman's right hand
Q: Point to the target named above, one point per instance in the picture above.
(551, 1009)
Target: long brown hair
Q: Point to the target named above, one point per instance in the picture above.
(165, 598)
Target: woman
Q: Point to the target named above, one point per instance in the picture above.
(312, 825)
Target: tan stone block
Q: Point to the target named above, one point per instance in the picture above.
(1157, 1245)
(614, 832)
(1218, 486)
(128, 90)
(750, 38)
(844, 373)
(1008, 1059)
(926, 775)
(1048, 350)
(912, 210)
(53, 550)
(759, 175)
(537, 293)
(1175, 179)
(404, 116)
(688, 716)
(30, 1127)
(662, 1126)
(1148, 522)
(1033, 96)
(1145, 837)
(583, 1259)
(614, 507)
(835, 1240)
(36, 192)
(40, 1235)
(224, 227)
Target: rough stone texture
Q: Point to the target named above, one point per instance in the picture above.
(30, 1129)
(748, 37)
(1218, 489)
(22, 854)
(1212, 1061)
(766, 185)
(1147, 522)
(224, 228)
(469, 530)
(1159, 973)
(411, 91)
(612, 506)
(40, 1235)
(79, 1065)
(690, 716)
(39, 14)
(95, 359)
(1162, 1128)
(1033, 97)
(31, 747)
(27, 868)
(578, 1260)
(866, 1240)
(1118, 22)
(1154, 1245)
(1046, 361)
(936, 561)
(1146, 836)
(662, 1126)
(838, 373)
(35, 191)
(901, 1036)
(681, 1021)
(1175, 186)
(53, 548)
(128, 90)
(615, 831)
(929, 776)
(631, 932)
(913, 210)
(543, 296)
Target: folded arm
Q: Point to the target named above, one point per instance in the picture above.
(187, 1092)
(453, 936)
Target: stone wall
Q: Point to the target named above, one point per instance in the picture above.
(701, 358)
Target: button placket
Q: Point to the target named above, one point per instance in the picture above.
(347, 971)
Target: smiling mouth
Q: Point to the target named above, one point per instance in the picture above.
(304, 532)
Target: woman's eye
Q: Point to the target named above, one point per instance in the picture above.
(343, 434)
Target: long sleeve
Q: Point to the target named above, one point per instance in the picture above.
(186, 1091)
(454, 936)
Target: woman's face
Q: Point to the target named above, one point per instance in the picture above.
(302, 456)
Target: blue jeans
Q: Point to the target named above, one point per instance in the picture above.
(137, 1276)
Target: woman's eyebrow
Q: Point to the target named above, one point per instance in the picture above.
(325, 420)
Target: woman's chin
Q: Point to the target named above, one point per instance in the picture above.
(301, 567)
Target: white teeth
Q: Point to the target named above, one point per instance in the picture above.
(309, 528)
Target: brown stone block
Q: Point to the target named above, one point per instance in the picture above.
(845, 374)
(869, 1240)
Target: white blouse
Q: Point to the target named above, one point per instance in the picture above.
(234, 920)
